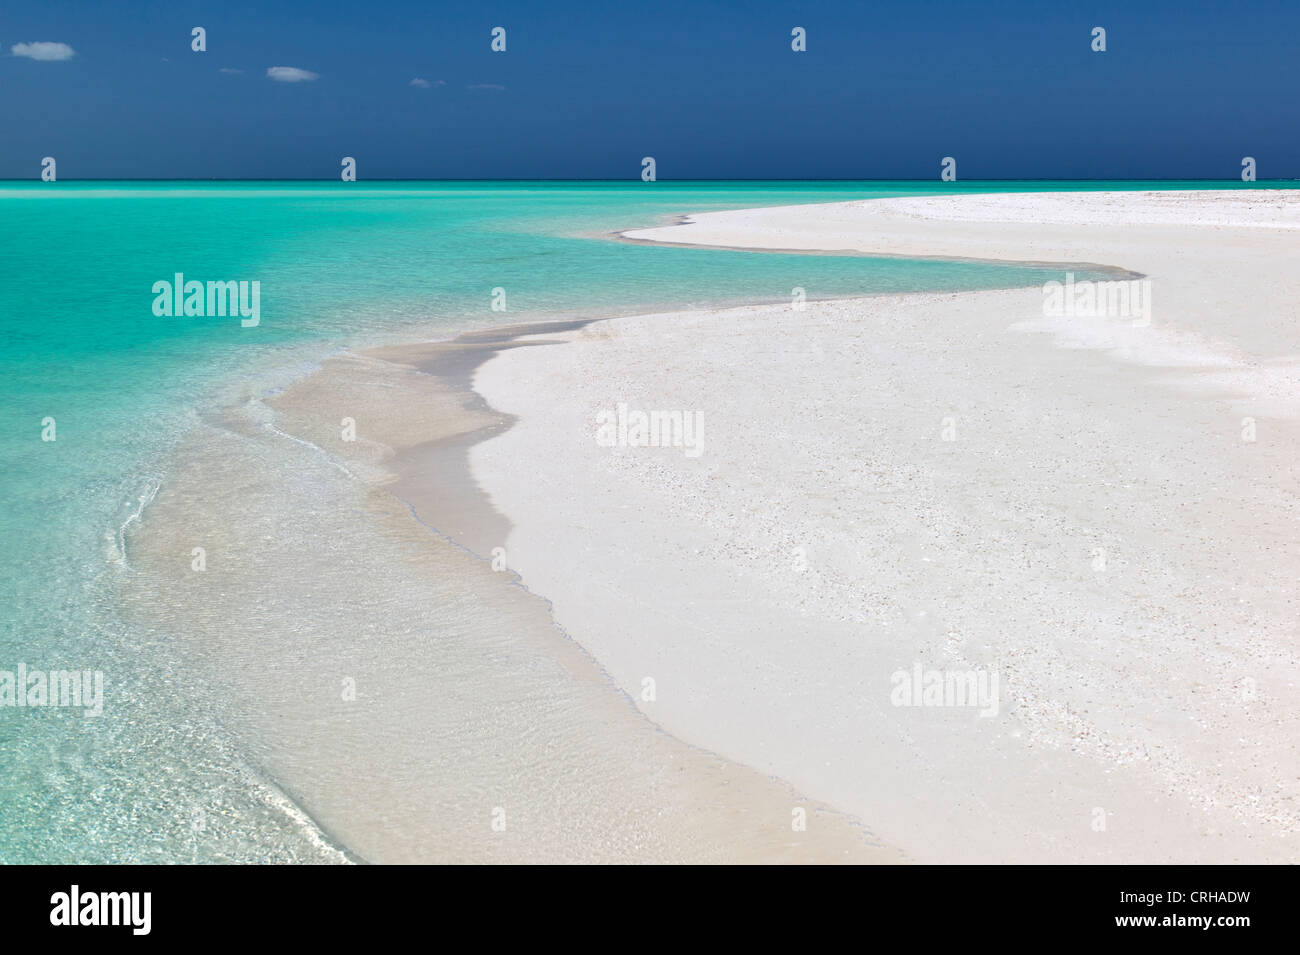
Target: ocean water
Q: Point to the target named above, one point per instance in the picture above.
(169, 772)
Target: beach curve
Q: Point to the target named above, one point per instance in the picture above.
(1077, 445)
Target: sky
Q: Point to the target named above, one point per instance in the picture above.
(711, 90)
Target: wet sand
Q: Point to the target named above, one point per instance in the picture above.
(410, 698)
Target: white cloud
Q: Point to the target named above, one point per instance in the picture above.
(43, 51)
(231, 70)
(422, 84)
(291, 74)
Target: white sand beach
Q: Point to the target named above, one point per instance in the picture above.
(1100, 512)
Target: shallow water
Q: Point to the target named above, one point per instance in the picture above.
(175, 770)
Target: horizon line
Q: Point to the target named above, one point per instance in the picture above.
(637, 180)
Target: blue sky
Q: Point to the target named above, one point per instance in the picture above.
(710, 89)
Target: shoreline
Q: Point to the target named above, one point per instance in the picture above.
(1111, 272)
(1180, 389)
(460, 484)
(686, 804)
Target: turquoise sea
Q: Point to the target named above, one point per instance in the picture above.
(338, 264)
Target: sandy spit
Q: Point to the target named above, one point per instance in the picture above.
(1099, 512)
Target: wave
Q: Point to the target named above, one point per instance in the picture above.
(117, 553)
